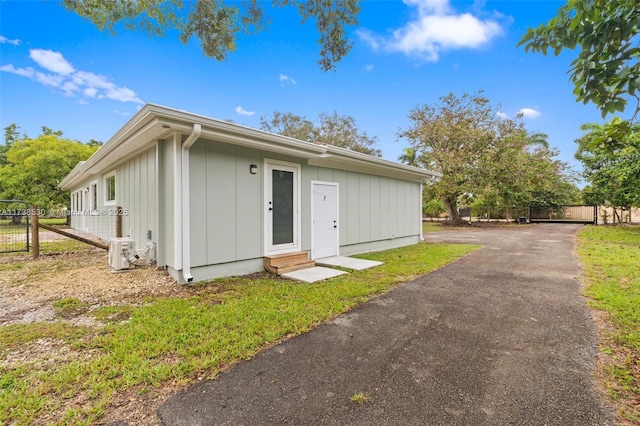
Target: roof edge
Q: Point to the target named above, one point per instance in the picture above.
(164, 120)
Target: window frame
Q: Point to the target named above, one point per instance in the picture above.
(93, 197)
(107, 177)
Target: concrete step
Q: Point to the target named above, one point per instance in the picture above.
(297, 267)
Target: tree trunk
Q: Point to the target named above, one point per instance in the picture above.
(452, 210)
(509, 214)
(16, 219)
(616, 215)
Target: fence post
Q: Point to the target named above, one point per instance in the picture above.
(118, 222)
(35, 233)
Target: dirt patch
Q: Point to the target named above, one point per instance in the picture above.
(139, 405)
(44, 352)
(29, 291)
(30, 286)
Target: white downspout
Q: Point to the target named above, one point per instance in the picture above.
(186, 225)
(421, 212)
(177, 202)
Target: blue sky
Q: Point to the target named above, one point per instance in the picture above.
(58, 70)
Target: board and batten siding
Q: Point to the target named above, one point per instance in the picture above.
(136, 194)
(372, 209)
(100, 222)
(226, 204)
(226, 208)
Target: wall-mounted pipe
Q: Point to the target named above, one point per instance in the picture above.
(186, 222)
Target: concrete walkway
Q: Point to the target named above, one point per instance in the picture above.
(500, 337)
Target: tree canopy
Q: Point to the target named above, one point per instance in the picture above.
(483, 156)
(217, 24)
(607, 69)
(11, 134)
(332, 129)
(613, 173)
(34, 167)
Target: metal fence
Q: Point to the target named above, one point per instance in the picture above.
(14, 226)
(564, 214)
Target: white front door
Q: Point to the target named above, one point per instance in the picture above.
(325, 220)
(282, 209)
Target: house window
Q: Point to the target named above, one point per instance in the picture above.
(93, 196)
(110, 188)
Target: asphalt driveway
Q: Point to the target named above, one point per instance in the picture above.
(500, 337)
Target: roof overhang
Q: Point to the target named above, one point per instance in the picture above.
(154, 122)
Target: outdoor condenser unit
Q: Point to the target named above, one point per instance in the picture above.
(117, 259)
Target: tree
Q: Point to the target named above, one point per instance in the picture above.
(217, 23)
(34, 168)
(483, 158)
(451, 137)
(606, 71)
(538, 140)
(288, 124)
(48, 132)
(11, 135)
(613, 173)
(337, 130)
(432, 207)
(409, 157)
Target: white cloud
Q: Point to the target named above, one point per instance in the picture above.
(368, 68)
(51, 61)
(50, 80)
(370, 39)
(90, 92)
(285, 78)
(70, 81)
(24, 72)
(83, 102)
(123, 113)
(243, 111)
(502, 115)
(529, 113)
(436, 28)
(4, 40)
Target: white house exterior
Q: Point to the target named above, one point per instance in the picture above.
(218, 197)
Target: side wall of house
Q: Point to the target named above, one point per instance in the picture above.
(376, 212)
(135, 194)
(92, 217)
(226, 209)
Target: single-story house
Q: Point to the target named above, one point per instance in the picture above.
(216, 197)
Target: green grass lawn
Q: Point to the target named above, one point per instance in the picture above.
(176, 340)
(46, 220)
(611, 260)
(431, 227)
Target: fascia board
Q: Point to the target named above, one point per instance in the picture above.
(371, 168)
(154, 122)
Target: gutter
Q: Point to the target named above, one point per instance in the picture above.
(185, 201)
(421, 212)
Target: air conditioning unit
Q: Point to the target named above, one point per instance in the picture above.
(119, 250)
